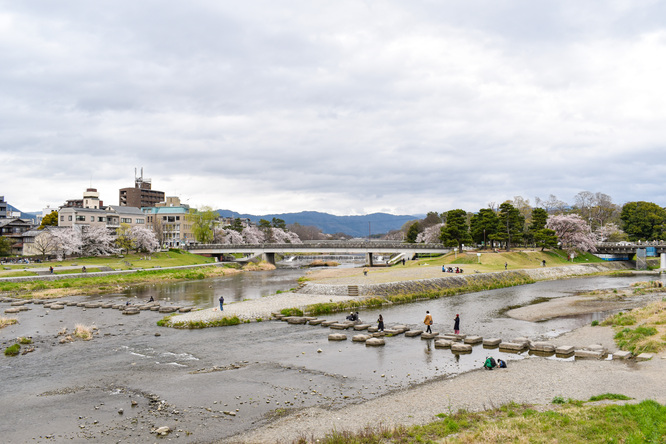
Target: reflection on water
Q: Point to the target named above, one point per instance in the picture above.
(205, 293)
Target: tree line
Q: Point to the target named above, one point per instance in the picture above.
(550, 223)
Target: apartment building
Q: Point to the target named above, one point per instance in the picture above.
(111, 217)
(170, 223)
(142, 195)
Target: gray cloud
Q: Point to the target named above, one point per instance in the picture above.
(347, 107)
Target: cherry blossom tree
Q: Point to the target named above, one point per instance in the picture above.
(144, 239)
(431, 234)
(573, 232)
(227, 236)
(282, 236)
(68, 241)
(98, 241)
(610, 233)
(253, 235)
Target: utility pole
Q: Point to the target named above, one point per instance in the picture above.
(369, 229)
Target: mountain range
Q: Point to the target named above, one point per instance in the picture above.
(357, 226)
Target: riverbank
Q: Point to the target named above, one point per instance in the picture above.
(530, 381)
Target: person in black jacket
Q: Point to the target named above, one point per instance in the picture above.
(380, 323)
(456, 325)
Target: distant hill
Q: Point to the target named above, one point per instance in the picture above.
(357, 226)
(24, 215)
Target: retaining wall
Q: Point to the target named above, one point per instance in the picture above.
(457, 281)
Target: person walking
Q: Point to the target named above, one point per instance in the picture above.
(380, 323)
(221, 303)
(506, 264)
(428, 321)
(456, 325)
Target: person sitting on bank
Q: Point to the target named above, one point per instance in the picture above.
(501, 363)
(489, 364)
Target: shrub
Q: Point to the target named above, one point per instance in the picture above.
(13, 350)
(291, 312)
(595, 323)
(610, 396)
(83, 332)
(558, 400)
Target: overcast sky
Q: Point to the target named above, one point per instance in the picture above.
(347, 106)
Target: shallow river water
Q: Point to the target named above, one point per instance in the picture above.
(255, 368)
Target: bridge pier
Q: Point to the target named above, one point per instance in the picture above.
(368, 259)
(268, 257)
(662, 256)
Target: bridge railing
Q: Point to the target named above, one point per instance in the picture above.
(319, 246)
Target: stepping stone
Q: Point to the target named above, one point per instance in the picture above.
(565, 350)
(71, 304)
(402, 327)
(546, 347)
(297, 320)
(512, 346)
(473, 340)
(167, 309)
(338, 326)
(492, 342)
(81, 304)
(275, 314)
(92, 305)
(38, 301)
(622, 355)
(413, 333)
(23, 308)
(524, 341)
(360, 327)
(57, 307)
(597, 347)
(457, 337)
(429, 335)
(155, 308)
(12, 310)
(278, 316)
(107, 305)
(644, 357)
(392, 332)
(378, 334)
(443, 343)
(375, 342)
(328, 323)
(373, 329)
(450, 337)
(360, 338)
(18, 303)
(337, 337)
(588, 354)
(130, 312)
(457, 347)
(310, 318)
(316, 321)
(183, 310)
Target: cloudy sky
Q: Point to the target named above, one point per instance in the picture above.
(346, 106)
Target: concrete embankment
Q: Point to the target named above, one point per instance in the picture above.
(462, 280)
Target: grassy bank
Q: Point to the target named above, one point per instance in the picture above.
(92, 284)
(569, 421)
(490, 260)
(171, 258)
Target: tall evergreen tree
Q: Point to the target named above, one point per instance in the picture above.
(456, 231)
(510, 225)
(484, 225)
(412, 233)
(643, 221)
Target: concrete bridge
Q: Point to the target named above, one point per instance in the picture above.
(626, 250)
(268, 251)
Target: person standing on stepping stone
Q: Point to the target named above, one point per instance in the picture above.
(380, 323)
(221, 303)
(456, 325)
(428, 321)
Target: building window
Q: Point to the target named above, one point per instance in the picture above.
(126, 220)
(92, 218)
(101, 219)
(62, 218)
(177, 217)
(139, 221)
(80, 218)
(69, 218)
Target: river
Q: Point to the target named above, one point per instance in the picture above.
(255, 368)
